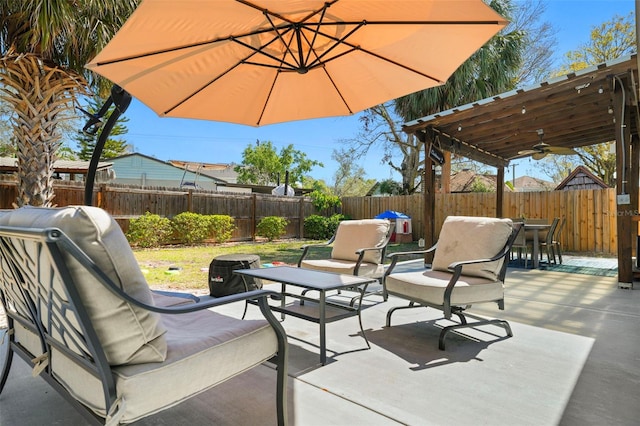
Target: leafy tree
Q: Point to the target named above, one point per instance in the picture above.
(262, 165)
(113, 147)
(381, 126)
(478, 185)
(390, 186)
(538, 44)
(66, 153)
(44, 45)
(349, 179)
(609, 40)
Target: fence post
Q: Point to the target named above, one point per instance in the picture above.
(253, 217)
(301, 220)
(102, 196)
(190, 200)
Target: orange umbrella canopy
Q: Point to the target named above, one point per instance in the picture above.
(268, 61)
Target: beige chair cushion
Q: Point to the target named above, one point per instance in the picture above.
(128, 334)
(204, 349)
(357, 234)
(428, 286)
(344, 267)
(467, 238)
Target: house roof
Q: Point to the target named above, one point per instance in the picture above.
(573, 110)
(225, 172)
(10, 164)
(465, 181)
(531, 184)
(581, 178)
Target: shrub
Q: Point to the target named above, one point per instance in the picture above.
(272, 227)
(149, 230)
(315, 227)
(190, 227)
(322, 201)
(319, 227)
(221, 227)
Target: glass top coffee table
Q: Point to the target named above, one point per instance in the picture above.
(325, 311)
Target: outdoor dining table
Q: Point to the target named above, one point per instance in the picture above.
(534, 229)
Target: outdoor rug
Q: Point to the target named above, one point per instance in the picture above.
(489, 380)
(603, 267)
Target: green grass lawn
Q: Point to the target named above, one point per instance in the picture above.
(194, 261)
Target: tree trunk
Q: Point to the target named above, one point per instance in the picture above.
(40, 96)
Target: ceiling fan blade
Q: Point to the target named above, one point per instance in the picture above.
(560, 150)
(539, 155)
(527, 152)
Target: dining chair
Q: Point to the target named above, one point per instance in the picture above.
(553, 241)
(521, 246)
(546, 244)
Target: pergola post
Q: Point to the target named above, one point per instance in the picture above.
(429, 193)
(625, 186)
(499, 191)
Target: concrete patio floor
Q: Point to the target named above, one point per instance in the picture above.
(574, 359)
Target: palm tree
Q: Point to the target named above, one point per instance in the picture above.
(44, 45)
(491, 70)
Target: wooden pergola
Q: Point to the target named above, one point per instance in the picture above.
(595, 105)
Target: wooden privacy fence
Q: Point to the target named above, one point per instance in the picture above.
(125, 203)
(590, 214)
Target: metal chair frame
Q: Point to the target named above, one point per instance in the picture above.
(447, 307)
(29, 292)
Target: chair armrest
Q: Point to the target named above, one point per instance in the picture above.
(202, 304)
(189, 296)
(396, 256)
(362, 250)
(305, 248)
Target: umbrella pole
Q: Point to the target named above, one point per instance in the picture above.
(121, 99)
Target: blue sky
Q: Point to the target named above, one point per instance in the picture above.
(213, 142)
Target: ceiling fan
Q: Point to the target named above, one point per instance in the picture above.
(541, 149)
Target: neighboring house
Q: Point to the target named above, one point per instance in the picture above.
(139, 169)
(470, 181)
(65, 169)
(225, 172)
(581, 178)
(531, 184)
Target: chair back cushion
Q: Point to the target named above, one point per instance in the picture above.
(128, 334)
(353, 235)
(468, 238)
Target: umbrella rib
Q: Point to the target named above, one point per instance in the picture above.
(337, 41)
(287, 45)
(281, 61)
(326, 5)
(354, 47)
(344, 101)
(266, 101)
(315, 33)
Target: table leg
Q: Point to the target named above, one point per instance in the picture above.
(283, 302)
(534, 251)
(322, 320)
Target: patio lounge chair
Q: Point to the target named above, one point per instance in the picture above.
(358, 248)
(81, 311)
(468, 268)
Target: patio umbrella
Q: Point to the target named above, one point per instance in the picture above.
(268, 61)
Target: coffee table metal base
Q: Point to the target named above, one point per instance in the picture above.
(326, 311)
